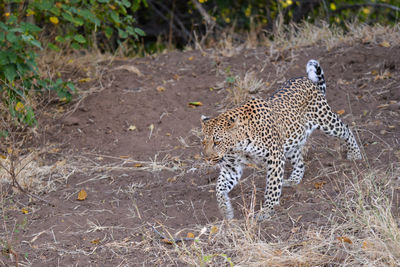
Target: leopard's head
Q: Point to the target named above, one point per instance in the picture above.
(219, 136)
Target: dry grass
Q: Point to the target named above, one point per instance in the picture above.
(79, 65)
(33, 175)
(85, 69)
(241, 90)
(363, 231)
(296, 36)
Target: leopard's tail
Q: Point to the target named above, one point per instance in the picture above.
(316, 74)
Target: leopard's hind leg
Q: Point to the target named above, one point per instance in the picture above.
(330, 123)
(294, 155)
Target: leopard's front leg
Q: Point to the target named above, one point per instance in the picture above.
(230, 173)
(274, 182)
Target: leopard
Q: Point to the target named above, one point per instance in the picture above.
(268, 132)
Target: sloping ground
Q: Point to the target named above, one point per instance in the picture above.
(135, 148)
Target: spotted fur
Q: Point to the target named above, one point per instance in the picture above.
(269, 132)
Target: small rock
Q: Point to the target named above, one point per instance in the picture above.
(69, 121)
(84, 109)
(394, 106)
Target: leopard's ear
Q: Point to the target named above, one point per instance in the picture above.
(204, 118)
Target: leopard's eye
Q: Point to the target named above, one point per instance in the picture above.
(204, 142)
(217, 143)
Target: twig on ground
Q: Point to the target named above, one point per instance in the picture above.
(171, 240)
(12, 252)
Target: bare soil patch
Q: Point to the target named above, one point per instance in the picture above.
(135, 148)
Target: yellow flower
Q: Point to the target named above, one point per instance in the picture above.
(30, 12)
(227, 20)
(7, 14)
(289, 2)
(19, 106)
(54, 20)
(247, 12)
(202, 1)
(366, 10)
(333, 6)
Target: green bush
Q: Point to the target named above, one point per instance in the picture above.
(79, 24)
(87, 23)
(18, 69)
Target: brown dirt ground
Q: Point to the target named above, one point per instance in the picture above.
(154, 175)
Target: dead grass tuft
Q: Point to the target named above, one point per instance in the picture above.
(242, 88)
(85, 69)
(33, 175)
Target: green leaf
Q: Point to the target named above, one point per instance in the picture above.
(130, 30)
(10, 72)
(126, 3)
(36, 43)
(61, 92)
(16, 30)
(30, 28)
(71, 86)
(80, 39)
(4, 58)
(29, 39)
(122, 34)
(60, 39)
(44, 4)
(72, 8)
(68, 37)
(74, 20)
(135, 6)
(53, 47)
(108, 31)
(30, 117)
(55, 10)
(140, 32)
(12, 57)
(88, 15)
(78, 21)
(3, 26)
(11, 37)
(67, 17)
(75, 46)
(23, 69)
(115, 17)
(103, 1)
